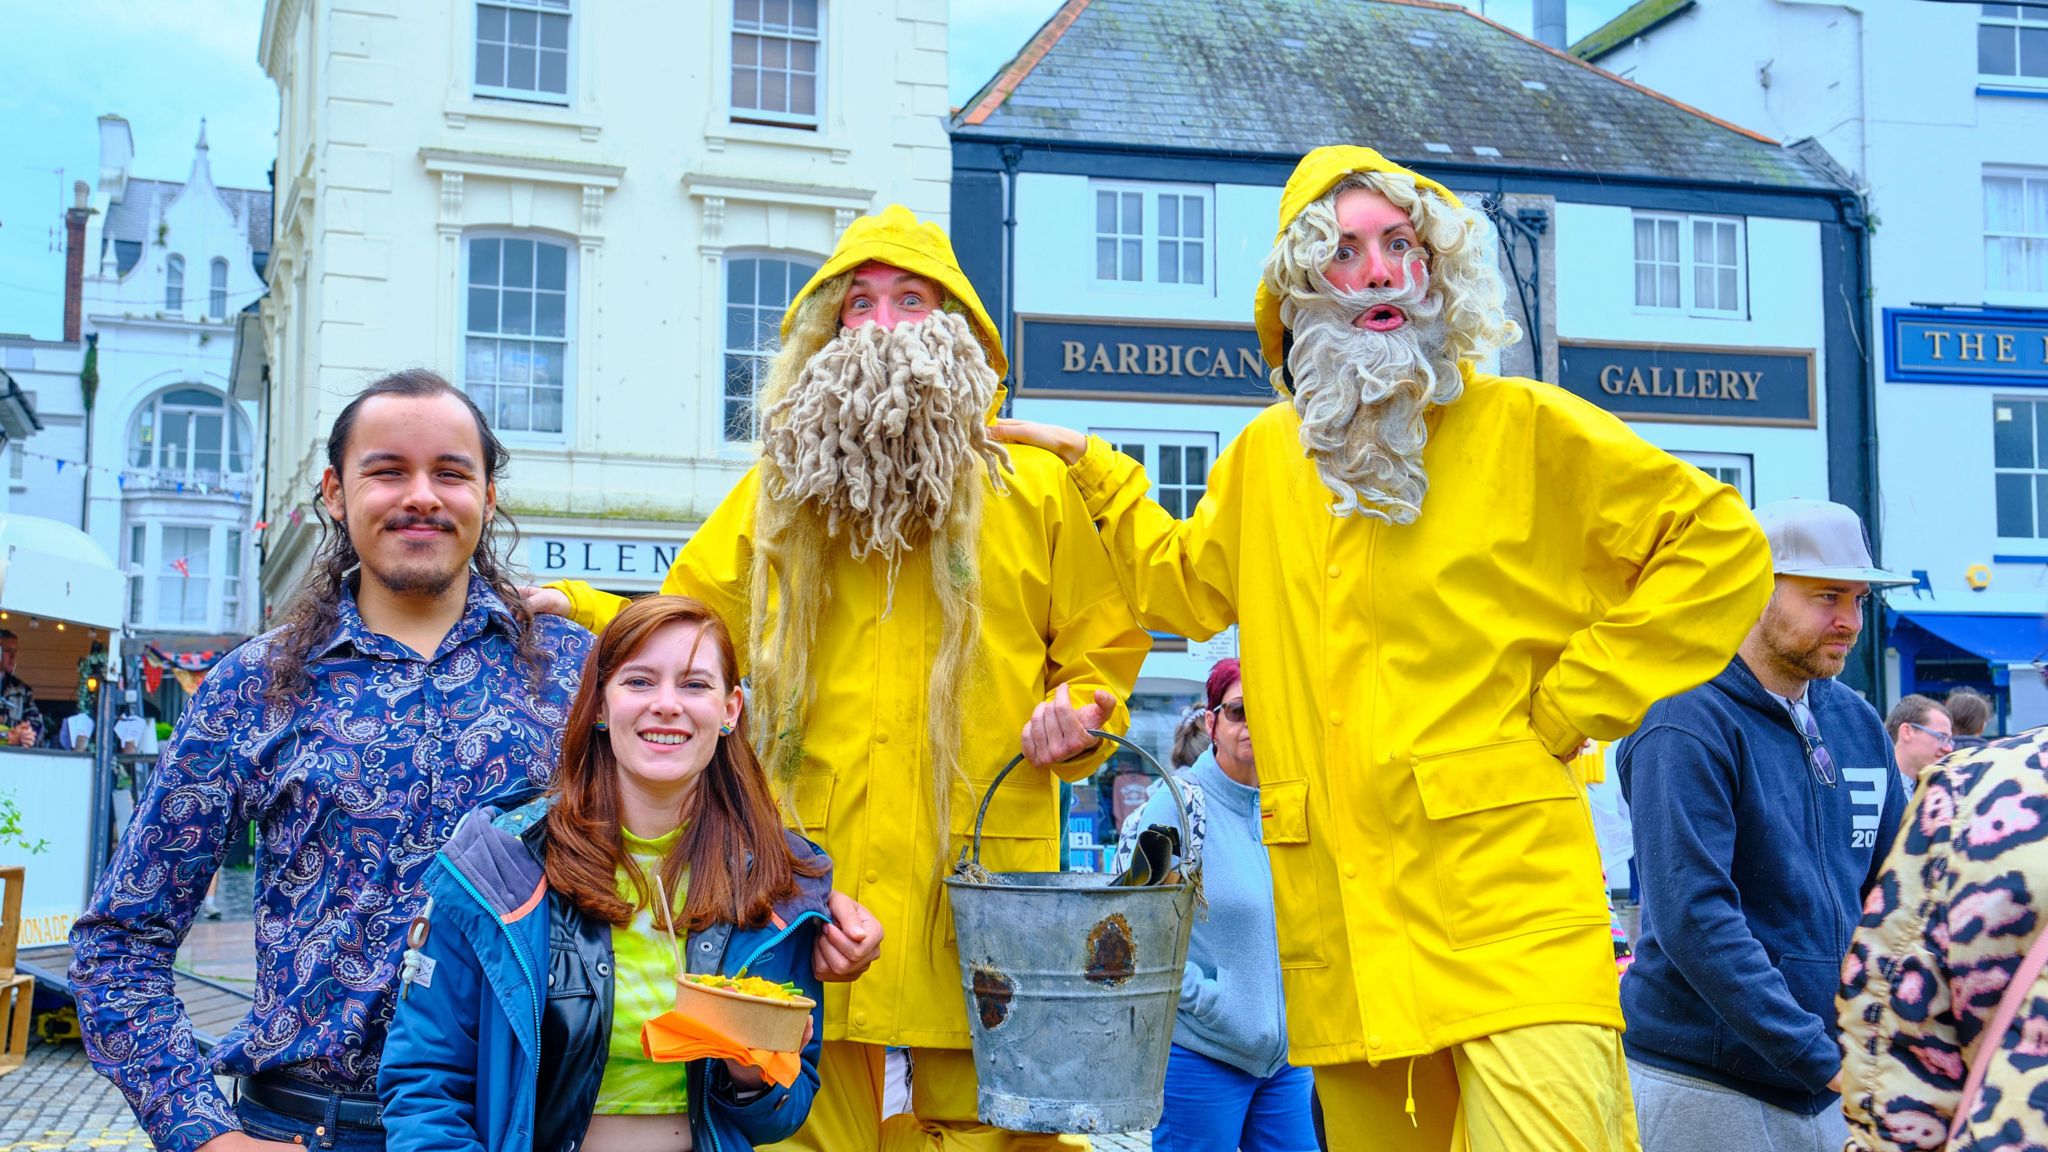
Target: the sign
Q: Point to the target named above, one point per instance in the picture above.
(1064, 358)
(1692, 384)
(607, 562)
(1938, 346)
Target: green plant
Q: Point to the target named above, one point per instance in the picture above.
(10, 827)
(89, 375)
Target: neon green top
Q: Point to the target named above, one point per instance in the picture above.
(643, 987)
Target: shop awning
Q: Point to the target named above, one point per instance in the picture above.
(54, 570)
(1996, 638)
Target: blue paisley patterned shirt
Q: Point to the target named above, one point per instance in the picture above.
(353, 789)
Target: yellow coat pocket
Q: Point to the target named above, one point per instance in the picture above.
(1283, 812)
(1511, 842)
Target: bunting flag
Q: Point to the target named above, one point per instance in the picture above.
(152, 676)
(162, 477)
(198, 661)
(183, 569)
(298, 514)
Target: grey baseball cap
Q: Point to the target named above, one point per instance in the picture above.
(1823, 541)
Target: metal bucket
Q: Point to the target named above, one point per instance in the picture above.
(1072, 987)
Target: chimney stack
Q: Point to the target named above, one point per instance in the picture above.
(74, 259)
(1549, 23)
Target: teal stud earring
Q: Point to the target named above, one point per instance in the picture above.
(601, 726)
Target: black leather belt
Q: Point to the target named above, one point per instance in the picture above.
(283, 1092)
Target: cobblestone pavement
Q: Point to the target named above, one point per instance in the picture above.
(56, 1101)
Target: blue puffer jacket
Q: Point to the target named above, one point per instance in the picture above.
(463, 1060)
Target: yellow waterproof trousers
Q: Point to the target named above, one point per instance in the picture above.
(1544, 1088)
(846, 1116)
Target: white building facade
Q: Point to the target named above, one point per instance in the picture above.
(591, 223)
(1939, 114)
(143, 446)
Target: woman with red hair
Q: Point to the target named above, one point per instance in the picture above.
(546, 942)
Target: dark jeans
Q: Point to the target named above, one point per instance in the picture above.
(265, 1124)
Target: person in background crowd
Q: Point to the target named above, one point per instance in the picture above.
(913, 597)
(1969, 713)
(21, 722)
(658, 795)
(1921, 733)
(1190, 738)
(1959, 903)
(1445, 582)
(406, 685)
(1228, 1083)
(1762, 801)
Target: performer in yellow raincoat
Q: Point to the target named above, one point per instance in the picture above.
(883, 709)
(1445, 582)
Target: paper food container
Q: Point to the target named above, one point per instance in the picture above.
(755, 1021)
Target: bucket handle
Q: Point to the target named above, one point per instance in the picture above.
(1180, 808)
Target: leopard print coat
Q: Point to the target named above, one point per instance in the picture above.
(1960, 901)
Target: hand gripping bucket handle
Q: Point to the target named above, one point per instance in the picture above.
(1180, 809)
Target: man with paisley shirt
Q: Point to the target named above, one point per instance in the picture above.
(406, 686)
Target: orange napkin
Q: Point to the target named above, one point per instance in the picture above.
(672, 1037)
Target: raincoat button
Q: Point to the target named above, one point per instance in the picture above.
(1335, 571)
(1372, 1041)
(881, 737)
(874, 877)
(551, 979)
(860, 1019)
(1337, 717)
(603, 969)
(1351, 871)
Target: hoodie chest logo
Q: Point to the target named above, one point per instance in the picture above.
(1866, 797)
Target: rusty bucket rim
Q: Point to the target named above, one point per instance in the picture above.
(1190, 875)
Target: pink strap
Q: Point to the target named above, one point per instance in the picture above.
(1993, 1038)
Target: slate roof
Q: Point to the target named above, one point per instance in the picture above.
(1632, 22)
(1437, 84)
(128, 219)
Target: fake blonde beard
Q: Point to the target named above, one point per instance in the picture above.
(1363, 395)
(876, 448)
(881, 428)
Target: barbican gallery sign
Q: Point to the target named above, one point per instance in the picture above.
(1693, 384)
(1065, 358)
(1940, 346)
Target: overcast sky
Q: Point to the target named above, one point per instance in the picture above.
(165, 64)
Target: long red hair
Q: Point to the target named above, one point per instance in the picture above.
(732, 852)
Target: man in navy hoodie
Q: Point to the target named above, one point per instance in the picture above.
(1764, 802)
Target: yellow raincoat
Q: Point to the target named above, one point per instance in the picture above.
(1051, 615)
(1413, 689)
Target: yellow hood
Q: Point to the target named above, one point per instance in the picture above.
(896, 238)
(1318, 172)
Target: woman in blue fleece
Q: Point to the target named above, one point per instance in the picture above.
(1228, 1083)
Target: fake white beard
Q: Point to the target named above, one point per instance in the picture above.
(1362, 395)
(882, 428)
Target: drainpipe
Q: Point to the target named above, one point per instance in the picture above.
(1855, 217)
(1012, 155)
